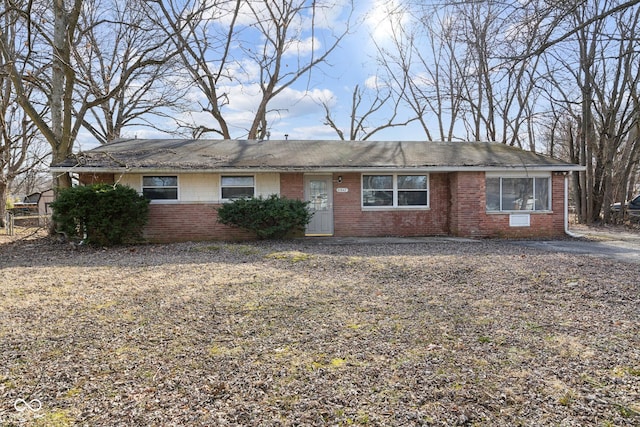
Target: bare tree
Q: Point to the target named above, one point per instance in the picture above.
(553, 14)
(202, 33)
(420, 62)
(363, 120)
(53, 34)
(595, 76)
(455, 60)
(144, 95)
(284, 25)
(18, 139)
(20, 151)
(261, 45)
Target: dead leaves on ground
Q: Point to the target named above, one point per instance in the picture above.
(298, 333)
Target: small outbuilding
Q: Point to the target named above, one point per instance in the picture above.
(35, 205)
(354, 188)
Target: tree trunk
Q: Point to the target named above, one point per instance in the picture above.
(3, 203)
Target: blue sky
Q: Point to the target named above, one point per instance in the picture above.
(352, 64)
(300, 114)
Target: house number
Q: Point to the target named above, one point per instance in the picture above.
(342, 190)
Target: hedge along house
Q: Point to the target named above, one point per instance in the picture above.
(354, 188)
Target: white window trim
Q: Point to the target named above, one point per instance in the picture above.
(161, 201)
(511, 174)
(395, 192)
(220, 186)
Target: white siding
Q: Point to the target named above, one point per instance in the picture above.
(205, 187)
(132, 180)
(198, 187)
(267, 184)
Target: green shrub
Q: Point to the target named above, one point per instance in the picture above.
(103, 214)
(271, 218)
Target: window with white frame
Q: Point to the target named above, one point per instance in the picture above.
(237, 187)
(160, 187)
(395, 190)
(513, 193)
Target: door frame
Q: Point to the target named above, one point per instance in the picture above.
(329, 178)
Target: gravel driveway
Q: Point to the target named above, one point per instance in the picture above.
(317, 332)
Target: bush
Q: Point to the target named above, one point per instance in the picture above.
(271, 218)
(101, 214)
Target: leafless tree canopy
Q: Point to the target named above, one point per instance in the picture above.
(20, 151)
(58, 47)
(262, 46)
(145, 95)
(548, 76)
(555, 77)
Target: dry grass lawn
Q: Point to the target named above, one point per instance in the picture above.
(483, 333)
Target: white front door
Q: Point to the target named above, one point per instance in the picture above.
(318, 191)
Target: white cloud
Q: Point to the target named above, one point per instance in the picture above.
(313, 131)
(329, 14)
(298, 103)
(302, 47)
(384, 18)
(372, 82)
(290, 106)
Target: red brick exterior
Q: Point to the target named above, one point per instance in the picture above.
(470, 219)
(292, 185)
(350, 219)
(457, 208)
(179, 222)
(189, 222)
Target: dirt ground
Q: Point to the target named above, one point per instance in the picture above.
(310, 332)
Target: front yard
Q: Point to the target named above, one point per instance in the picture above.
(481, 333)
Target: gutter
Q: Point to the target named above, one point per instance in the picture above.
(318, 169)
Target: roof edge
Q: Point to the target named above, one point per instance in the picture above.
(544, 168)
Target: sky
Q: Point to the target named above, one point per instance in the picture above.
(300, 113)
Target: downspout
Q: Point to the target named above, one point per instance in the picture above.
(566, 208)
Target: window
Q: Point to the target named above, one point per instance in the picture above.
(237, 187)
(160, 187)
(518, 194)
(395, 190)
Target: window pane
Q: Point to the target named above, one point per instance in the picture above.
(412, 198)
(542, 194)
(160, 181)
(517, 194)
(237, 192)
(493, 194)
(318, 195)
(378, 182)
(235, 181)
(377, 198)
(160, 193)
(417, 182)
(160, 187)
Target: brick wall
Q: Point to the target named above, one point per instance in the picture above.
(470, 219)
(188, 222)
(292, 185)
(467, 198)
(457, 208)
(351, 220)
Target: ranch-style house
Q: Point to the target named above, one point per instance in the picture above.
(355, 188)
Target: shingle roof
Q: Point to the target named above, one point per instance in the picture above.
(304, 155)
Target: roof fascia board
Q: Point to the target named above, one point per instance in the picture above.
(433, 169)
